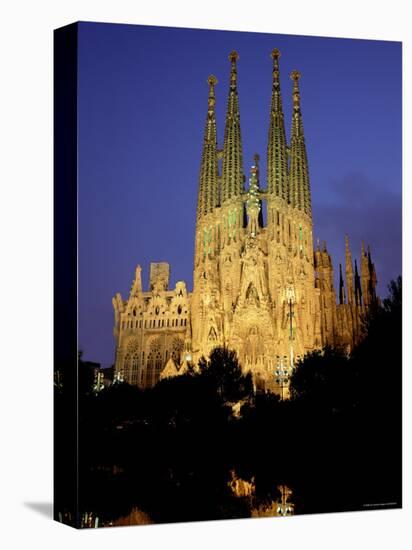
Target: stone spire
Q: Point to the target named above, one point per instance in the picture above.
(373, 281)
(342, 299)
(299, 187)
(232, 171)
(358, 288)
(208, 196)
(349, 271)
(136, 289)
(365, 276)
(277, 162)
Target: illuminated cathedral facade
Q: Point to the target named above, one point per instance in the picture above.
(259, 286)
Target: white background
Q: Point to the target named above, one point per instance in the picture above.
(26, 271)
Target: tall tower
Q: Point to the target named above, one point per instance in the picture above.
(277, 161)
(299, 190)
(208, 183)
(232, 169)
(368, 277)
(231, 216)
(300, 232)
(206, 324)
(207, 196)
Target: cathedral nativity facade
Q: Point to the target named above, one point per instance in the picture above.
(259, 285)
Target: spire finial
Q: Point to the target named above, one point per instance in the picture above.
(295, 76)
(276, 84)
(233, 57)
(275, 56)
(212, 81)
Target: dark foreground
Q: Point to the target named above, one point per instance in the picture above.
(178, 452)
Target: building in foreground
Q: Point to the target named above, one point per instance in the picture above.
(259, 286)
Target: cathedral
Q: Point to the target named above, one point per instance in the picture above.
(259, 286)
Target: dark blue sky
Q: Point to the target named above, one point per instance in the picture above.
(142, 108)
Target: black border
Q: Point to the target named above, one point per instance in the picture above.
(65, 275)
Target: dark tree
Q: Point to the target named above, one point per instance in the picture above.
(224, 372)
(324, 379)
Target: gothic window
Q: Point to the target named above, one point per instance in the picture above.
(131, 363)
(179, 310)
(157, 310)
(154, 363)
(212, 335)
(135, 369)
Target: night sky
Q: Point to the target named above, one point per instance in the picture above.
(142, 110)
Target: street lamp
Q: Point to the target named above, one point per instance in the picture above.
(284, 507)
(282, 374)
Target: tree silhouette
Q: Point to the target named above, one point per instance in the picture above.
(224, 372)
(324, 379)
